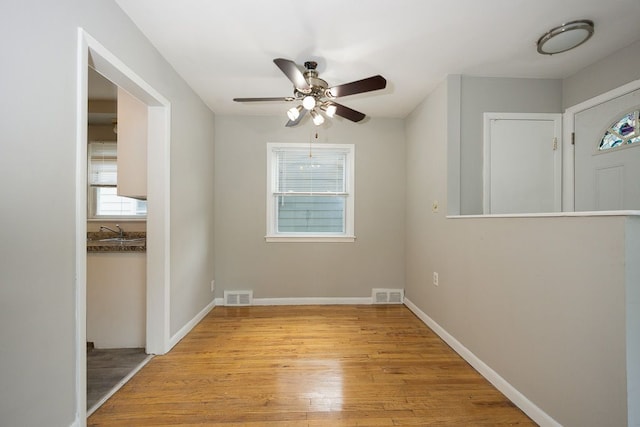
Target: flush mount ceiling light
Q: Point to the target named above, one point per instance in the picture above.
(565, 37)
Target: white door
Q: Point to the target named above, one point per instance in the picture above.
(608, 178)
(522, 163)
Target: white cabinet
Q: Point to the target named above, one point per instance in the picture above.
(132, 146)
(116, 299)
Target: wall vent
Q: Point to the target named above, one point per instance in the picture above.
(238, 297)
(387, 296)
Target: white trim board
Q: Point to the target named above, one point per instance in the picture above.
(313, 301)
(175, 339)
(520, 400)
(307, 301)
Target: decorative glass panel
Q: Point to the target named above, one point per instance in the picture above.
(623, 132)
(625, 126)
(609, 141)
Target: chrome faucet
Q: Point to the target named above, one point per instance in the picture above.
(120, 233)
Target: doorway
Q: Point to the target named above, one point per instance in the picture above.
(92, 54)
(116, 279)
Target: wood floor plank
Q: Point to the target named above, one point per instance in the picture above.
(309, 366)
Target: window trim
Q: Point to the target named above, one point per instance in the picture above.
(349, 235)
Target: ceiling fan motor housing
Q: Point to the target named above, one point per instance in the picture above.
(318, 86)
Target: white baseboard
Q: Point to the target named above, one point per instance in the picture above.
(313, 301)
(76, 422)
(307, 301)
(190, 325)
(520, 400)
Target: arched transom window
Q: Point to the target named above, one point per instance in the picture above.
(623, 132)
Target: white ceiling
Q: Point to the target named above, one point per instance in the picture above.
(225, 49)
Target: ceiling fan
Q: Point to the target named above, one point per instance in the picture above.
(316, 95)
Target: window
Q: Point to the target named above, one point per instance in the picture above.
(103, 199)
(310, 192)
(622, 133)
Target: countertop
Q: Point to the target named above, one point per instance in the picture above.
(105, 241)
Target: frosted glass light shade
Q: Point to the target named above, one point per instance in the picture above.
(309, 102)
(331, 110)
(565, 37)
(317, 118)
(294, 113)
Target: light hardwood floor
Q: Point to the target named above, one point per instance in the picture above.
(309, 366)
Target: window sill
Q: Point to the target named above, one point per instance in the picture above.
(310, 239)
(120, 219)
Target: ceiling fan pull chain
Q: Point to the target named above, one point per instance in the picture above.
(312, 137)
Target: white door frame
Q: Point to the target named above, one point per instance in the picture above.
(569, 118)
(557, 158)
(91, 52)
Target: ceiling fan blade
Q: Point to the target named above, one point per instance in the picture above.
(286, 98)
(365, 85)
(292, 123)
(291, 70)
(348, 113)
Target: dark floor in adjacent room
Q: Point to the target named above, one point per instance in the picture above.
(107, 367)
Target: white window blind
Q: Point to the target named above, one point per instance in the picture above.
(310, 190)
(103, 164)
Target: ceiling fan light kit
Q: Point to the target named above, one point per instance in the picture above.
(565, 37)
(329, 109)
(317, 118)
(316, 95)
(294, 112)
(309, 102)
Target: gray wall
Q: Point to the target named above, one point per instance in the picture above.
(533, 298)
(276, 270)
(37, 168)
(501, 95)
(615, 70)
(632, 235)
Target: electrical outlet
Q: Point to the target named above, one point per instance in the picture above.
(435, 278)
(435, 206)
(213, 285)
